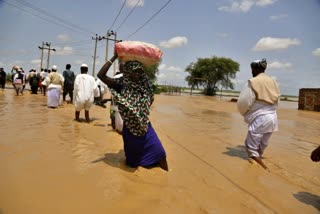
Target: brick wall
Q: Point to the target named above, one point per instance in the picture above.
(309, 99)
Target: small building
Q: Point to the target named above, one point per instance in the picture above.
(309, 99)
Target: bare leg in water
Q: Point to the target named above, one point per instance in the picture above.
(77, 116)
(86, 113)
(164, 164)
(259, 161)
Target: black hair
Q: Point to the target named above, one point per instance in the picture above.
(84, 69)
(68, 66)
(260, 65)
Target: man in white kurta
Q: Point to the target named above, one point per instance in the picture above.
(54, 82)
(257, 103)
(85, 89)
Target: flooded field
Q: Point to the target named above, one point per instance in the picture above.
(51, 164)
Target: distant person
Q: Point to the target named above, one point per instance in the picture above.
(33, 81)
(43, 75)
(315, 155)
(257, 103)
(24, 78)
(18, 81)
(69, 78)
(85, 89)
(3, 78)
(54, 82)
(133, 96)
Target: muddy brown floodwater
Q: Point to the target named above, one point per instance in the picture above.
(51, 164)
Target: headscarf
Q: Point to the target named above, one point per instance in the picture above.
(259, 64)
(134, 99)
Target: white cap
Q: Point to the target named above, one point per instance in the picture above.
(84, 65)
(54, 67)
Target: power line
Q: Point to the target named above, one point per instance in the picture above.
(26, 11)
(41, 17)
(128, 15)
(54, 17)
(75, 43)
(150, 19)
(118, 14)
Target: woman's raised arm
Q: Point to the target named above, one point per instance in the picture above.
(102, 74)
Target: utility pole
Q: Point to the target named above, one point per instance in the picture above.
(41, 62)
(111, 33)
(97, 38)
(49, 49)
(115, 64)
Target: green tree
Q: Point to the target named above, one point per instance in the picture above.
(210, 73)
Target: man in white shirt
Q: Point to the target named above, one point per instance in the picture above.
(257, 103)
(85, 89)
(54, 82)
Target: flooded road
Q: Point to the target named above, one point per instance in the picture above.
(51, 164)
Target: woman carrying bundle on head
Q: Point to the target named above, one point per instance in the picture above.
(133, 95)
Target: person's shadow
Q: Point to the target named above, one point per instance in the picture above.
(115, 160)
(308, 198)
(238, 151)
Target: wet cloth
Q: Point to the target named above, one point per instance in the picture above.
(54, 95)
(85, 89)
(69, 78)
(134, 99)
(143, 150)
(265, 88)
(54, 82)
(260, 129)
(261, 118)
(18, 81)
(141, 144)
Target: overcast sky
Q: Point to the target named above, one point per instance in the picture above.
(285, 32)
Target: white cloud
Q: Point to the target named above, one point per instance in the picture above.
(280, 65)
(63, 37)
(245, 5)
(174, 69)
(35, 61)
(263, 3)
(163, 67)
(316, 52)
(132, 3)
(269, 43)
(171, 75)
(174, 42)
(277, 17)
(65, 51)
(223, 35)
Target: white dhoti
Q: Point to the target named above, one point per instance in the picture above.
(54, 96)
(83, 104)
(85, 89)
(259, 133)
(18, 86)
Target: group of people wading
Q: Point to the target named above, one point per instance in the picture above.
(133, 95)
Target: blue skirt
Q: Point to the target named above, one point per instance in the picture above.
(142, 150)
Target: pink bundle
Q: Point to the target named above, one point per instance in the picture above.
(145, 53)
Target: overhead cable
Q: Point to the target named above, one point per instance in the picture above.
(54, 17)
(41, 17)
(150, 19)
(128, 15)
(118, 14)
